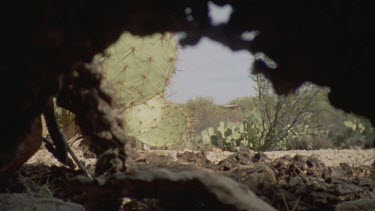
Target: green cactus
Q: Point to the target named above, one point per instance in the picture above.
(222, 129)
(244, 143)
(217, 141)
(212, 136)
(140, 67)
(170, 130)
(206, 139)
(253, 128)
(211, 131)
(229, 135)
(145, 117)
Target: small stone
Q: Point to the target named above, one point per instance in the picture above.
(227, 165)
(336, 180)
(282, 183)
(319, 197)
(347, 188)
(304, 166)
(357, 205)
(244, 158)
(295, 181)
(365, 181)
(317, 186)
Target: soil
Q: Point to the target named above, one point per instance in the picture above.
(287, 180)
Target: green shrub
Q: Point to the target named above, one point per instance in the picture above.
(204, 113)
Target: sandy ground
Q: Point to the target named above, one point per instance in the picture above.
(331, 157)
(43, 156)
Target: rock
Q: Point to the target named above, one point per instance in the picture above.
(319, 197)
(345, 167)
(357, 205)
(217, 155)
(365, 181)
(244, 158)
(295, 181)
(336, 172)
(282, 183)
(347, 188)
(24, 202)
(226, 165)
(317, 186)
(336, 180)
(281, 164)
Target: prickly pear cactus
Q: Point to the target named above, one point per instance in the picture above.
(227, 135)
(145, 117)
(169, 130)
(140, 67)
(206, 138)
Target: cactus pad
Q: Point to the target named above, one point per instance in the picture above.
(143, 118)
(170, 130)
(140, 67)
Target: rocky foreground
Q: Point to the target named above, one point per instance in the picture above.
(290, 180)
(287, 180)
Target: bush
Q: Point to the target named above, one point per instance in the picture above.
(204, 113)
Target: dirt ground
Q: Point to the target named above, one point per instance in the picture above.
(330, 157)
(287, 180)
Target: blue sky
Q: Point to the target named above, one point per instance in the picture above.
(210, 69)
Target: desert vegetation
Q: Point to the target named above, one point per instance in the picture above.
(301, 120)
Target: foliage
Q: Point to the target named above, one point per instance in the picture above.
(283, 118)
(246, 103)
(268, 120)
(227, 136)
(204, 113)
(354, 131)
